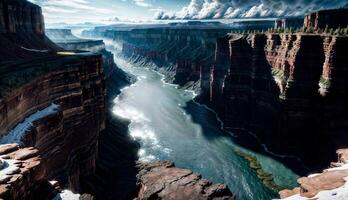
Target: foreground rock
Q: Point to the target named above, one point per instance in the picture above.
(22, 174)
(162, 180)
(330, 184)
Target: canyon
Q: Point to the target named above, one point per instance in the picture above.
(287, 88)
(78, 117)
(53, 101)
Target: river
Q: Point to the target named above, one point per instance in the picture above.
(170, 126)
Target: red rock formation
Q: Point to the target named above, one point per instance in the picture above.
(333, 79)
(161, 180)
(22, 31)
(25, 175)
(235, 86)
(79, 91)
(68, 140)
(327, 18)
(329, 179)
(295, 81)
(21, 16)
(220, 68)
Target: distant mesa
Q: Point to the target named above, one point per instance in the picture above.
(327, 19)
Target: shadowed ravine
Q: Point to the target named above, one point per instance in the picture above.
(169, 126)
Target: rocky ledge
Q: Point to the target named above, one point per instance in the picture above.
(22, 175)
(162, 180)
(330, 184)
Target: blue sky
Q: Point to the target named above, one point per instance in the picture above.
(75, 11)
(110, 11)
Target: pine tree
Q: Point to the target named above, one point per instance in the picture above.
(326, 29)
(346, 30)
(331, 31)
(337, 31)
(290, 30)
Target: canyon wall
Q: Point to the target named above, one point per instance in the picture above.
(327, 19)
(78, 145)
(67, 141)
(33, 75)
(115, 77)
(116, 169)
(22, 31)
(185, 54)
(287, 88)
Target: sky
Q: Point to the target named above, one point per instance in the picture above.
(111, 11)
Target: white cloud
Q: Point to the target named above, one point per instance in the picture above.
(215, 9)
(142, 3)
(72, 10)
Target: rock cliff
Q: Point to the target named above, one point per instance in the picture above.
(327, 18)
(53, 103)
(162, 180)
(77, 86)
(22, 174)
(183, 52)
(278, 85)
(22, 30)
(36, 73)
(116, 78)
(330, 184)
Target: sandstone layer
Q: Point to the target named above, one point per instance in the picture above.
(287, 87)
(22, 31)
(35, 73)
(22, 175)
(162, 180)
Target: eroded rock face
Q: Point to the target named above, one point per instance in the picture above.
(162, 180)
(22, 16)
(324, 185)
(183, 53)
(23, 175)
(285, 87)
(67, 141)
(22, 31)
(33, 75)
(327, 18)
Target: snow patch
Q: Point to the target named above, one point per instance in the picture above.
(16, 134)
(343, 167)
(339, 193)
(35, 50)
(8, 167)
(67, 195)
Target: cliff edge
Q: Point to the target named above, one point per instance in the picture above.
(330, 184)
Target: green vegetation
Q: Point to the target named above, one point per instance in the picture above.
(326, 83)
(291, 30)
(265, 177)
